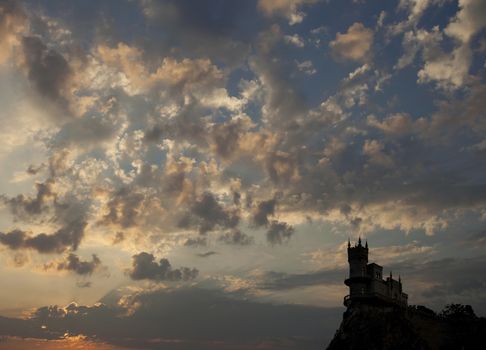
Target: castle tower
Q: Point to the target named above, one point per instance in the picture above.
(358, 276)
(365, 281)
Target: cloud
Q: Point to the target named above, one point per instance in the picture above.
(210, 28)
(354, 45)
(398, 124)
(436, 282)
(279, 232)
(67, 237)
(22, 206)
(262, 211)
(295, 40)
(374, 149)
(176, 77)
(288, 9)
(12, 23)
(306, 67)
(283, 167)
(448, 70)
(283, 102)
(123, 208)
(212, 214)
(283, 281)
(236, 237)
(226, 137)
(34, 170)
(420, 39)
(46, 68)
(93, 129)
(144, 267)
(206, 254)
(84, 284)
(196, 242)
(455, 113)
(254, 324)
(75, 264)
(119, 237)
(478, 238)
(416, 8)
(469, 20)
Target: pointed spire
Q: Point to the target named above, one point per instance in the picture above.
(391, 275)
(349, 243)
(366, 246)
(359, 241)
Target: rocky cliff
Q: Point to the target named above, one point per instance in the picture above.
(368, 327)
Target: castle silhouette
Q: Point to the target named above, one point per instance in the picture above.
(366, 283)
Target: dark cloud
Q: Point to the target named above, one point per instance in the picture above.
(153, 134)
(34, 170)
(454, 113)
(188, 126)
(58, 315)
(263, 210)
(67, 237)
(47, 69)
(207, 254)
(283, 102)
(279, 232)
(22, 206)
(236, 237)
(144, 267)
(210, 28)
(211, 214)
(225, 138)
(282, 167)
(124, 208)
(236, 198)
(119, 237)
(195, 318)
(78, 266)
(461, 280)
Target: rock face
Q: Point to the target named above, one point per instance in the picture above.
(372, 327)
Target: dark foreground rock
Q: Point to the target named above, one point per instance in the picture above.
(371, 327)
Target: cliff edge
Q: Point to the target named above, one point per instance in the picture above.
(372, 327)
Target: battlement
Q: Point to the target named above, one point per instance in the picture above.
(358, 252)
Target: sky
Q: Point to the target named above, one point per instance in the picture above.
(186, 174)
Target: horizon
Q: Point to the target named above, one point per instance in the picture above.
(187, 174)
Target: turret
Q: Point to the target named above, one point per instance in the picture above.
(358, 276)
(357, 258)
